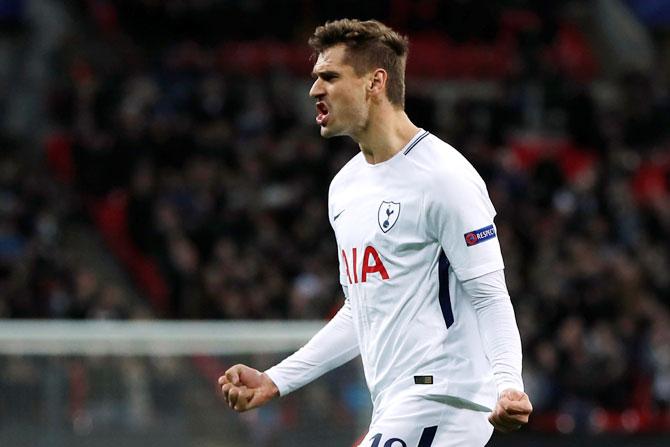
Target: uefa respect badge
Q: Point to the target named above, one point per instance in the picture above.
(477, 236)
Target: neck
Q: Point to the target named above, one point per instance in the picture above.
(388, 131)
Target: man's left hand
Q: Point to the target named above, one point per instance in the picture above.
(511, 411)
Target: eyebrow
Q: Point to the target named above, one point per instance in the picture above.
(324, 73)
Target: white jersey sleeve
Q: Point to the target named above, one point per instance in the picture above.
(497, 327)
(343, 273)
(460, 213)
(331, 347)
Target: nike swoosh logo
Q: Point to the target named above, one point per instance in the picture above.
(338, 215)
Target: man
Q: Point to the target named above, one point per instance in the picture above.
(426, 303)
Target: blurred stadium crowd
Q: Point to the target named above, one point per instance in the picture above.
(191, 148)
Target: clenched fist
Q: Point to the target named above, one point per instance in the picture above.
(244, 388)
(511, 411)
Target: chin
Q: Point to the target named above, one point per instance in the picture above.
(331, 131)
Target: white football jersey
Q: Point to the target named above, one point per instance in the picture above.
(410, 231)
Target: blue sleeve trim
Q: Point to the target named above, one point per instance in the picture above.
(444, 296)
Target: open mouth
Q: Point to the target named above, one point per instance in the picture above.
(322, 113)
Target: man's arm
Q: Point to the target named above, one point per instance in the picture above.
(460, 212)
(501, 340)
(245, 388)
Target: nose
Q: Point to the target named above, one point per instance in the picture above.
(317, 89)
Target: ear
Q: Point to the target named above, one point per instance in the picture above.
(377, 82)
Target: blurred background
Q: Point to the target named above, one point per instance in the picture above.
(159, 162)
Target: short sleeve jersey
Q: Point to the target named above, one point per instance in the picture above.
(409, 231)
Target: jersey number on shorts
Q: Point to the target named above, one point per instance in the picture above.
(426, 439)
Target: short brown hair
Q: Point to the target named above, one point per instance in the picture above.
(370, 44)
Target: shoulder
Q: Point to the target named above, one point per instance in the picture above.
(446, 168)
(456, 196)
(350, 170)
(343, 180)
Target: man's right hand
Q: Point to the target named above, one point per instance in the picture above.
(244, 388)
